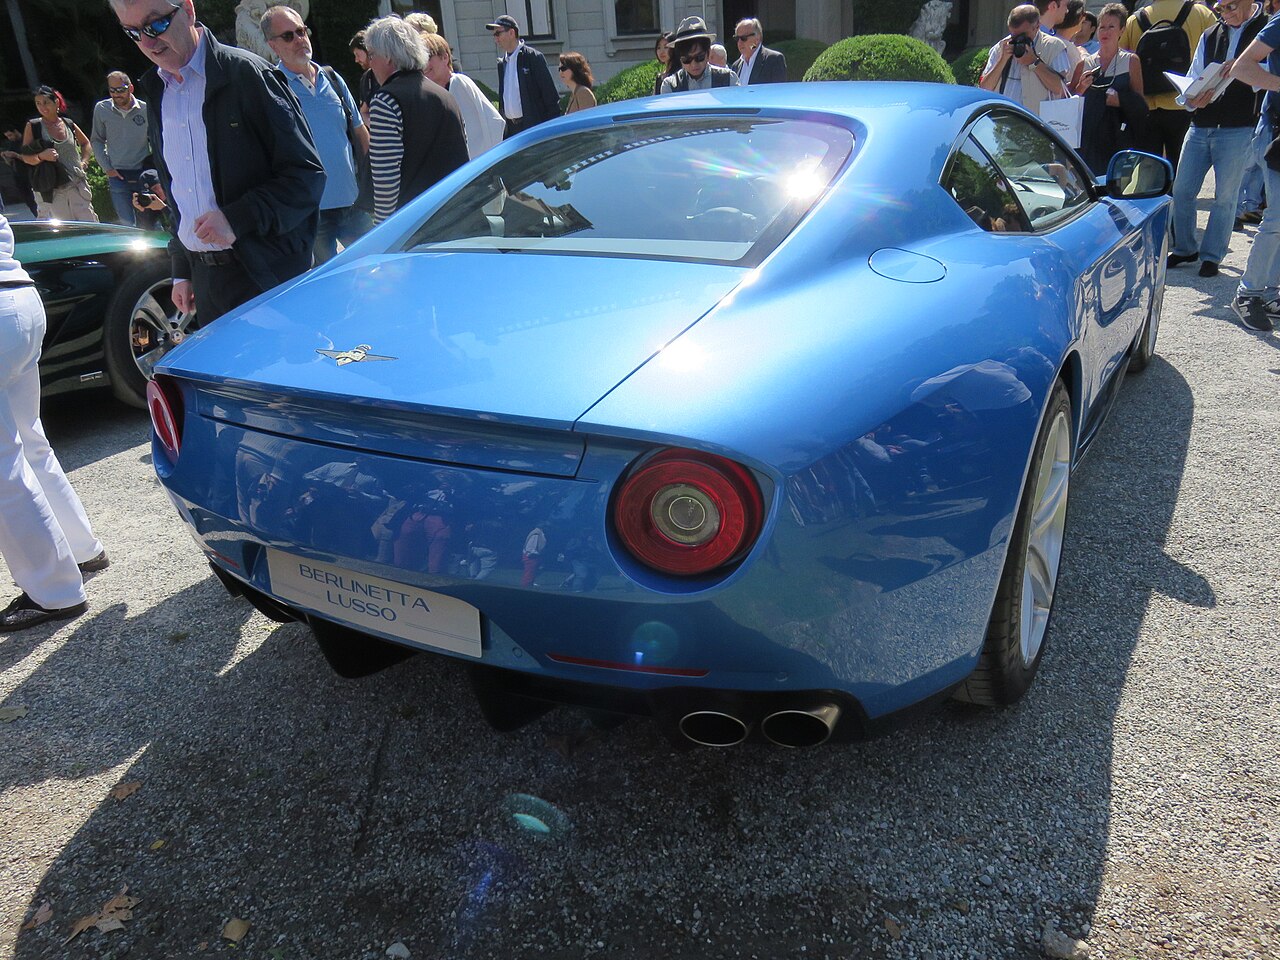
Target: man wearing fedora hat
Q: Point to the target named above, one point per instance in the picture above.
(690, 44)
(526, 92)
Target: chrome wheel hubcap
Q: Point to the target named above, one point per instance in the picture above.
(1044, 540)
(155, 329)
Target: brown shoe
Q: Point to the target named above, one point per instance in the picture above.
(24, 612)
(94, 564)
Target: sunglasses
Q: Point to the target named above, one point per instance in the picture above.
(123, 88)
(743, 37)
(694, 58)
(290, 35)
(1231, 7)
(152, 28)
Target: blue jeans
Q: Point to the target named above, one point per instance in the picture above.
(1224, 149)
(1251, 196)
(1262, 272)
(343, 225)
(122, 192)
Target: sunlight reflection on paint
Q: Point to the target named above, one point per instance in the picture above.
(682, 357)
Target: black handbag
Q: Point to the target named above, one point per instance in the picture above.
(47, 175)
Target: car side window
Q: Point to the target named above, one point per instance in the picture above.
(982, 191)
(1047, 181)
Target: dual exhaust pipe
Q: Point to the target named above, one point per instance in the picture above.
(793, 727)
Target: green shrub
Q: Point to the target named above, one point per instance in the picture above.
(884, 16)
(632, 82)
(102, 205)
(968, 66)
(881, 57)
(800, 55)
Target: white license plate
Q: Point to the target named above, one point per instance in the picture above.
(419, 617)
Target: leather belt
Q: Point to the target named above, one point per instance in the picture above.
(15, 284)
(214, 258)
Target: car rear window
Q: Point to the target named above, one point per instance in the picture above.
(706, 188)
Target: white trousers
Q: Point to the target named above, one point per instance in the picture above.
(44, 532)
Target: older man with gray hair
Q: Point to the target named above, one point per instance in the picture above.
(336, 126)
(415, 130)
(757, 63)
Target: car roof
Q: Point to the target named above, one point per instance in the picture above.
(871, 102)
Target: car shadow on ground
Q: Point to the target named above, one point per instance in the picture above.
(338, 817)
(109, 425)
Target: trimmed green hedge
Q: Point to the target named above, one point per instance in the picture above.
(881, 57)
(968, 66)
(102, 204)
(872, 17)
(632, 82)
(800, 55)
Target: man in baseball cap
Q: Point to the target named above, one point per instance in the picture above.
(526, 92)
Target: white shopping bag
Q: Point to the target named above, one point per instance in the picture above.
(1064, 117)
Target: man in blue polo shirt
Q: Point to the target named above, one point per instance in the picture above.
(341, 137)
(1256, 301)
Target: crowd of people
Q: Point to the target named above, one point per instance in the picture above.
(1198, 86)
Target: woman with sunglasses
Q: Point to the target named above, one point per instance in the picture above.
(63, 143)
(690, 46)
(575, 73)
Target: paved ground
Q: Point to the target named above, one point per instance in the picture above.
(1130, 801)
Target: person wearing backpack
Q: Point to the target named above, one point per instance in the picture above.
(1164, 36)
(1219, 138)
(342, 139)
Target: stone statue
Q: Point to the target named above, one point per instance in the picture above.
(931, 23)
(249, 34)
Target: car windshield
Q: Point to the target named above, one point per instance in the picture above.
(709, 188)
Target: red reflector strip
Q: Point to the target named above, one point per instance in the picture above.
(629, 667)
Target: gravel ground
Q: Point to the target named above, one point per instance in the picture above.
(1130, 801)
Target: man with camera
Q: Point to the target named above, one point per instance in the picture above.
(1028, 65)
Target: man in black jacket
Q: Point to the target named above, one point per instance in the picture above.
(526, 92)
(757, 63)
(235, 157)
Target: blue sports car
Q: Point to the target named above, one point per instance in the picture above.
(754, 411)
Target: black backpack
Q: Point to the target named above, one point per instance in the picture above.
(1163, 46)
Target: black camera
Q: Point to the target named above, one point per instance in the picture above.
(1019, 45)
(144, 197)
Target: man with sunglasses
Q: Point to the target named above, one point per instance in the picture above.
(342, 139)
(691, 45)
(1221, 129)
(119, 141)
(526, 92)
(235, 157)
(756, 63)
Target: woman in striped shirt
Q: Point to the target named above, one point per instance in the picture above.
(415, 130)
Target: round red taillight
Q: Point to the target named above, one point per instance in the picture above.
(165, 406)
(688, 513)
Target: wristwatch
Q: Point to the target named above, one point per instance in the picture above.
(1036, 62)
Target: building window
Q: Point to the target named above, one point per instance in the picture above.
(539, 20)
(636, 16)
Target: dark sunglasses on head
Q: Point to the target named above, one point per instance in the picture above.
(123, 88)
(290, 35)
(152, 28)
(693, 58)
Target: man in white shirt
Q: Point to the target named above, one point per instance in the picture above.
(756, 63)
(526, 93)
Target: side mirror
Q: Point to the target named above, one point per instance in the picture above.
(1138, 176)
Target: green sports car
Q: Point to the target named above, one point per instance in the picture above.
(106, 293)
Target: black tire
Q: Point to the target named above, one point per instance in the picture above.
(1144, 348)
(1011, 653)
(141, 325)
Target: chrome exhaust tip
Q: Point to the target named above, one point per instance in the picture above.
(711, 728)
(801, 727)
